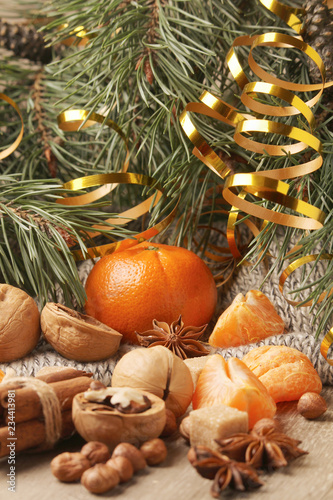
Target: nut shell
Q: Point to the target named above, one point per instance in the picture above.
(158, 371)
(19, 323)
(96, 452)
(134, 455)
(69, 467)
(311, 405)
(100, 478)
(98, 422)
(123, 466)
(77, 336)
(154, 451)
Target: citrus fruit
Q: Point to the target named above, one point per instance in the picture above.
(285, 372)
(248, 319)
(129, 289)
(232, 383)
(1, 375)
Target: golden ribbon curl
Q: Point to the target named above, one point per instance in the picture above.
(268, 184)
(76, 119)
(8, 151)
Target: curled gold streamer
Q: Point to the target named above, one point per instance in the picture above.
(8, 151)
(328, 339)
(77, 119)
(267, 185)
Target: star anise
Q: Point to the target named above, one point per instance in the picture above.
(225, 472)
(264, 448)
(181, 340)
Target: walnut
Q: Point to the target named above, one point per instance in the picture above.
(19, 323)
(123, 466)
(107, 415)
(77, 336)
(100, 478)
(96, 452)
(154, 451)
(134, 455)
(69, 467)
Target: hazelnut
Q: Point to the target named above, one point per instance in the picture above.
(185, 428)
(96, 452)
(134, 455)
(265, 424)
(311, 405)
(100, 478)
(154, 451)
(123, 466)
(69, 467)
(170, 424)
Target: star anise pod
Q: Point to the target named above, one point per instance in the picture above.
(181, 340)
(225, 472)
(264, 448)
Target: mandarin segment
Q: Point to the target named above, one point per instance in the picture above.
(248, 319)
(232, 383)
(286, 372)
(129, 289)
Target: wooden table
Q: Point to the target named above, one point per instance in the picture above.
(307, 478)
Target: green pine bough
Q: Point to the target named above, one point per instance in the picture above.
(144, 62)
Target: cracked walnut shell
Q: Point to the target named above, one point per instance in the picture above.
(19, 323)
(77, 336)
(97, 418)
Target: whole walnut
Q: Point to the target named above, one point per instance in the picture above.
(19, 323)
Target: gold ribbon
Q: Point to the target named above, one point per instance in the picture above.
(8, 151)
(78, 119)
(328, 339)
(267, 185)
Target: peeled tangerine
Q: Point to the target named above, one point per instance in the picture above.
(248, 319)
(285, 372)
(232, 383)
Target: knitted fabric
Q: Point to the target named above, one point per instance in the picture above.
(298, 323)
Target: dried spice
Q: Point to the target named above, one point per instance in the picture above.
(265, 447)
(225, 472)
(181, 340)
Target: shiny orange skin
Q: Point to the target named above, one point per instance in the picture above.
(129, 289)
(1, 375)
(248, 319)
(287, 373)
(233, 384)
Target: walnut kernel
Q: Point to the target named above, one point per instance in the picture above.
(69, 467)
(96, 452)
(154, 451)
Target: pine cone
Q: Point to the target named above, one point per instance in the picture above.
(25, 42)
(318, 32)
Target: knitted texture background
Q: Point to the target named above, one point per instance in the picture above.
(298, 321)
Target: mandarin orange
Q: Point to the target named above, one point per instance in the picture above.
(286, 372)
(1, 375)
(248, 319)
(129, 289)
(233, 384)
